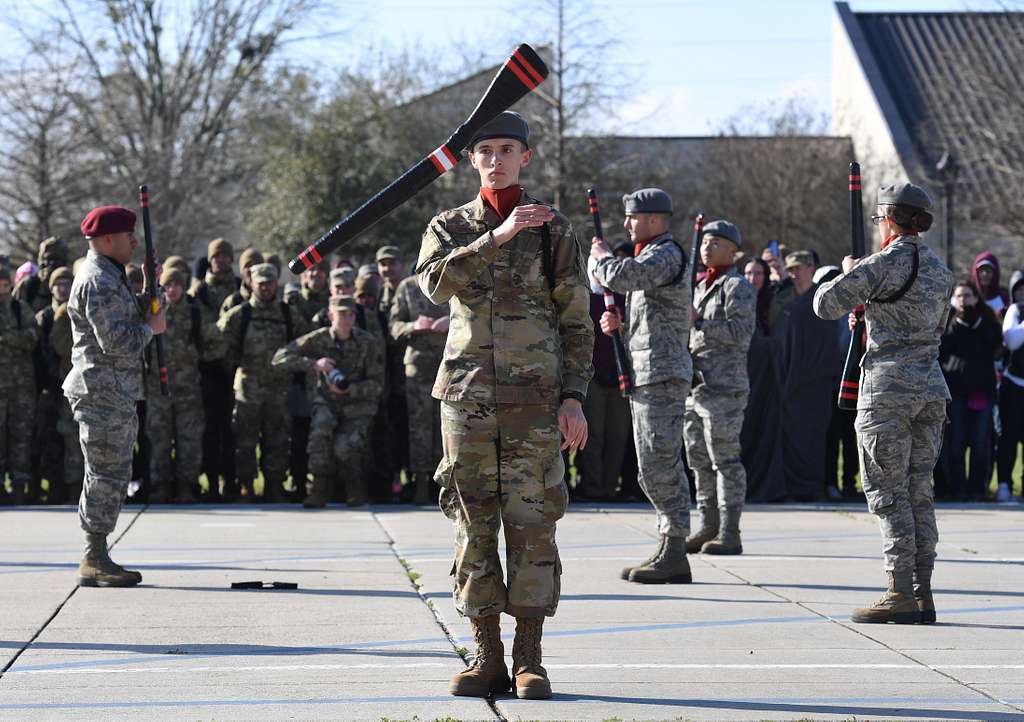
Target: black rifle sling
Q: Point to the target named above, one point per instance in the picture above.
(547, 260)
(16, 309)
(194, 333)
(906, 286)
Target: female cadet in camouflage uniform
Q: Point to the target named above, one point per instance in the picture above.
(901, 406)
(110, 334)
(515, 372)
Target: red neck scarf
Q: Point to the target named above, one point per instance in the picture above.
(641, 245)
(888, 241)
(502, 200)
(714, 272)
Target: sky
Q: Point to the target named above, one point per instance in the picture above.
(693, 63)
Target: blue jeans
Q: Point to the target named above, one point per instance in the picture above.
(969, 429)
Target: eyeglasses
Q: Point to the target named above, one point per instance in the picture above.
(878, 219)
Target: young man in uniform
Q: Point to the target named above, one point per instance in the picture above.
(657, 326)
(18, 337)
(342, 407)
(901, 406)
(724, 314)
(514, 373)
(110, 333)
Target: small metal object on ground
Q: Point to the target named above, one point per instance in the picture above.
(264, 585)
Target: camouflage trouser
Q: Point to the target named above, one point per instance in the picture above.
(74, 464)
(658, 436)
(424, 413)
(898, 447)
(502, 466)
(264, 422)
(175, 422)
(17, 421)
(712, 430)
(108, 434)
(336, 443)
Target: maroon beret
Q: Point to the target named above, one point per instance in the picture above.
(105, 220)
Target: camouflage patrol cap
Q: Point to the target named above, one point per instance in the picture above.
(385, 252)
(368, 269)
(508, 124)
(263, 273)
(647, 200)
(368, 284)
(250, 257)
(904, 194)
(724, 229)
(53, 248)
(173, 274)
(61, 274)
(344, 275)
(338, 302)
(219, 245)
(799, 258)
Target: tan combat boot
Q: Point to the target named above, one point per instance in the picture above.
(97, 569)
(319, 492)
(626, 571)
(708, 529)
(923, 595)
(728, 539)
(531, 678)
(670, 566)
(897, 605)
(487, 672)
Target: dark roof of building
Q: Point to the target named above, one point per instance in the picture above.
(932, 62)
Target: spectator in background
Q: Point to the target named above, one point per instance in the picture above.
(25, 270)
(985, 274)
(966, 352)
(761, 435)
(781, 283)
(776, 264)
(1011, 391)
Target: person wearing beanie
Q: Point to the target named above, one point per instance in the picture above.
(211, 291)
(48, 448)
(512, 382)
(249, 258)
(175, 423)
(349, 370)
(111, 332)
(34, 289)
(904, 290)
(19, 334)
(251, 333)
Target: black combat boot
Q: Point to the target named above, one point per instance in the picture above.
(708, 529)
(531, 678)
(670, 566)
(923, 594)
(728, 539)
(487, 672)
(626, 571)
(97, 569)
(897, 605)
(319, 491)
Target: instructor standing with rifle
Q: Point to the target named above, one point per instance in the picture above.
(110, 332)
(657, 328)
(901, 407)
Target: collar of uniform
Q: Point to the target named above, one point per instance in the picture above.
(657, 240)
(480, 211)
(214, 279)
(99, 257)
(255, 301)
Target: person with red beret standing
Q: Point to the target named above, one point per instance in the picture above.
(110, 331)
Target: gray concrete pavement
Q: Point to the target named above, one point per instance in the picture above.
(762, 636)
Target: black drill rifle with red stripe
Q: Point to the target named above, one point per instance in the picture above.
(849, 385)
(621, 360)
(698, 231)
(151, 281)
(522, 72)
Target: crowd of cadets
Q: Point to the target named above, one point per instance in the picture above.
(229, 393)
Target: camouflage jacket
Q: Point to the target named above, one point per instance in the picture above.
(212, 291)
(358, 357)
(34, 292)
(109, 334)
(512, 339)
(235, 298)
(726, 315)
(901, 362)
(266, 332)
(191, 337)
(657, 322)
(18, 337)
(424, 349)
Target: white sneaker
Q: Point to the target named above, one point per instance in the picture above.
(1003, 492)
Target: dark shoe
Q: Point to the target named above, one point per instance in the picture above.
(897, 605)
(97, 569)
(319, 492)
(923, 595)
(707, 531)
(487, 673)
(670, 567)
(531, 678)
(626, 571)
(728, 539)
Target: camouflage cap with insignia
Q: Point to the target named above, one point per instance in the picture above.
(904, 194)
(368, 269)
(339, 302)
(345, 275)
(385, 252)
(263, 273)
(800, 258)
